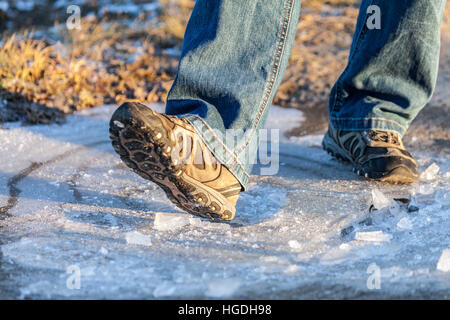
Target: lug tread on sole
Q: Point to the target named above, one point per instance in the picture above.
(396, 175)
(141, 148)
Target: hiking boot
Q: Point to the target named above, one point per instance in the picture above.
(375, 154)
(166, 150)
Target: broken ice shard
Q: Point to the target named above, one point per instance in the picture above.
(430, 173)
(169, 221)
(444, 261)
(379, 200)
(135, 237)
(373, 236)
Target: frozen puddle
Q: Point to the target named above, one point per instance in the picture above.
(77, 224)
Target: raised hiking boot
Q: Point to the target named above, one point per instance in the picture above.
(166, 150)
(375, 154)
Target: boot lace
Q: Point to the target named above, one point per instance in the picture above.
(384, 136)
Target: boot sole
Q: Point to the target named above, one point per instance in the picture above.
(142, 141)
(401, 174)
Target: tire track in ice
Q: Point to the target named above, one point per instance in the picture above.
(73, 181)
(14, 191)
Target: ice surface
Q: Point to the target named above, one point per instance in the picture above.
(444, 261)
(169, 221)
(283, 119)
(430, 173)
(405, 223)
(135, 237)
(294, 244)
(373, 236)
(222, 288)
(79, 206)
(165, 289)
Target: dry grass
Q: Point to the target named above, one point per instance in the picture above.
(319, 54)
(105, 62)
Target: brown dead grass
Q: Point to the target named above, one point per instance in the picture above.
(105, 62)
(319, 54)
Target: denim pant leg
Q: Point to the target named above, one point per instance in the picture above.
(233, 57)
(392, 69)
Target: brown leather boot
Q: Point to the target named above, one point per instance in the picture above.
(167, 150)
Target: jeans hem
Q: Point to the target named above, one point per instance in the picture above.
(212, 142)
(362, 124)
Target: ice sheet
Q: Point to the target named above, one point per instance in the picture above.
(72, 205)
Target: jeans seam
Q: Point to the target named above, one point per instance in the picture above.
(339, 98)
(233, 157)
(280, 48)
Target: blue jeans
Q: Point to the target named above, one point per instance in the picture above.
(235, 53)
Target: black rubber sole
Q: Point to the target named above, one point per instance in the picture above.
(400, 174)
(141, 138)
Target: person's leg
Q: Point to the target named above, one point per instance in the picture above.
(390, 76)
(392, 71)
(233, 57)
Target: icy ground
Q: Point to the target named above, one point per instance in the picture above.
(76, 223)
